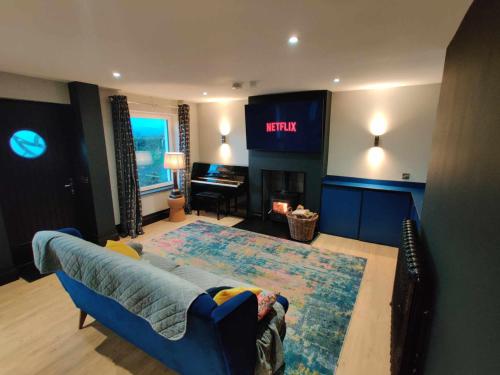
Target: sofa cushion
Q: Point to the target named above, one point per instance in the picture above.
(205, 279)
(213, 291)
(121, 248)
(159, 262)
(227, 294)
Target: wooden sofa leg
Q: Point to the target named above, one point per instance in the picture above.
(83, 315)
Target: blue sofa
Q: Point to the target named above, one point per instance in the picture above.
(219, 339)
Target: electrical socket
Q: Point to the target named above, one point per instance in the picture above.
(406, 176)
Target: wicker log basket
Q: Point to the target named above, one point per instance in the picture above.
(301, 229)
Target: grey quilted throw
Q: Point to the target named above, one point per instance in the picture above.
(161, 298)
(270, 336)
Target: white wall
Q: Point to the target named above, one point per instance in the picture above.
(212, 117)
(20, 87)
(156, 201)
(410, 113)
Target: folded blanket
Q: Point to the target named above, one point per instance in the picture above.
(160, 297)
(270, 334)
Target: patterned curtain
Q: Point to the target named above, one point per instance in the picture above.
(126, 169)
(184, 147)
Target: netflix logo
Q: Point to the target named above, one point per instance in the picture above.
(290, 126)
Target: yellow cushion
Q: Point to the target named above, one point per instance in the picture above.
(227, 294)
(123, 249)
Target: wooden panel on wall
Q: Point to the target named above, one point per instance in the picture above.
(461, 214)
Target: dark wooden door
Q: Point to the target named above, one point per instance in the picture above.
(36, 191)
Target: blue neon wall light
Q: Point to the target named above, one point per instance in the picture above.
(27, 144)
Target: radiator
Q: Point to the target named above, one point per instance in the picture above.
(409, 305)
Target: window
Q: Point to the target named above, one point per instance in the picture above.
(151, 141)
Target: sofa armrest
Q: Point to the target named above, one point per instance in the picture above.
(283, 302)
(203, 306)
(72, 231)
(232, 305)
(236, 322)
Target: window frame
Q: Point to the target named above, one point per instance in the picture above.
(171, 126)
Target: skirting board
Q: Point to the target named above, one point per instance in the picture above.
(151, 218)
(155, 216)
(8, 275)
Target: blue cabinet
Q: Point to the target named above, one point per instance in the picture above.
(340, 211)
(368, 210)
(382, 213)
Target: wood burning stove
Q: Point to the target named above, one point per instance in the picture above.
(280, 202)
(281, 191)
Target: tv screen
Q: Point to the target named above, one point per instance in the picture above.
(288, 126)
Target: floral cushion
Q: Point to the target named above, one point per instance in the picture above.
(266, 301)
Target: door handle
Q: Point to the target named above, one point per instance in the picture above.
(70, 185)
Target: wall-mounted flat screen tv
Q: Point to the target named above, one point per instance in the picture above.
(286, 127)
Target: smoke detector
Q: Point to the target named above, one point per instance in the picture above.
(237, 85)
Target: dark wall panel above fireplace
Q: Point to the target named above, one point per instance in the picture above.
(313, 165)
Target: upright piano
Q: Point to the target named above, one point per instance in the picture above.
(228, 180)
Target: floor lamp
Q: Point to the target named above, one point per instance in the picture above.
(176, 201)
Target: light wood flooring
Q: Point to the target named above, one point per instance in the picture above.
(39, 335)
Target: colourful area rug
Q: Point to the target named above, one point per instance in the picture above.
(321, 285)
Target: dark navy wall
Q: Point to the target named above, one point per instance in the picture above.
(461, 213)
(95, 206)
(313, 165)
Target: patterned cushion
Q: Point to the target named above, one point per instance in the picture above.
(266, 301)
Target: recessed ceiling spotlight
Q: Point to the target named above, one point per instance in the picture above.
(205, 93)
(336, 80)
(116, 75)
(293, 40)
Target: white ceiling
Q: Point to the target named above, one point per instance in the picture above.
(178, 49)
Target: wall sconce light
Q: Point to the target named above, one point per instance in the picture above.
(378, 124)
(224, 126)
(375, 157)
(378, 127)
(223, 139)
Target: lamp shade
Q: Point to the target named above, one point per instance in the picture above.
(174, 160)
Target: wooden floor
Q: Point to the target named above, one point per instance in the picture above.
(39, 335)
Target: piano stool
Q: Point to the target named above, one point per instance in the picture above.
(209, 198)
